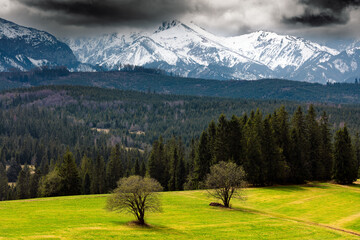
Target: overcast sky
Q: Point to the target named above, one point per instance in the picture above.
(307, 18)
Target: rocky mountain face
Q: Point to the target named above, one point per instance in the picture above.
(186, 50)
(23, 48)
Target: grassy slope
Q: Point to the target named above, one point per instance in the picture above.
(321, 211)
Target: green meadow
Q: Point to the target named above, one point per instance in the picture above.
(313, 211)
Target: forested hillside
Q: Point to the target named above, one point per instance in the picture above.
(38, 126)
(149, 80)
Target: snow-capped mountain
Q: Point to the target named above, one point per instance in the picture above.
(24, 48)
(185, 50)
(188, 50)
(344, 66)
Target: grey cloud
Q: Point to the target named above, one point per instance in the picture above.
(111, 12)
(323, 12)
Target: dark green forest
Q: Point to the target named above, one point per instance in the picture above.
(94, 136)
(153, 80)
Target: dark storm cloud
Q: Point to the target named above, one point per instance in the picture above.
(324, 12)
(113, 12)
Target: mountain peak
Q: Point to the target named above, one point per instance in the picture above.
(167, 25)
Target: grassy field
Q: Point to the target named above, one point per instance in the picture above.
(318, 211)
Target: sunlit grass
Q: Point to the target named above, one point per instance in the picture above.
(285, 212)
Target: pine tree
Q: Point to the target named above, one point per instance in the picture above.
(114, 168)
(136, 170)
(142, 169)
(357, 150)
(157, 166)
(326, 148)
(281, 126)
(345, 171)
(180, 175)
(85, 169)
(192, 155)
(254, 164)
(316, 168)
(202, 158)
(23, 183)
(270, 152)
(86, 184)
(235, 140)
(211, 138)
(68, 172)
(299, 160)
(174, 163)
(98, 183)
(4, 188)
(14, 170)
(34, 183)
(221, 144)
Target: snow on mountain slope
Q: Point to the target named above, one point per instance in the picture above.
(339, 68)
(24, 48)
(189, 50)
(183, 49)
(275, 50)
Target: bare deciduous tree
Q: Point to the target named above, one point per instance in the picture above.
(225, 181)
(135, 195)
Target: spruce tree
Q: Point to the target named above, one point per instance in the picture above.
(69, 174)
(254, 165)
(281, 126)
(211, 132)
(345, 171)
(299, 149)
(23, 183)
(14, 170)
(98, 183)
(86, 184)
(142, 169)
(174, 163)
(202, 158)
(221, 144)
(34, 183)
(316, 168)
(357, 151)
(114, 168)
(326, 148)
(180, 174)
(136, 170)
(270, 152)
(85, 169)
(235, 140)
(3, 183)
(157, 166)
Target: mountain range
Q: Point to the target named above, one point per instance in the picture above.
(185, 50)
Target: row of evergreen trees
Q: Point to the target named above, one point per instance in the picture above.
(275, 149)
(278, 150)
(65, 177)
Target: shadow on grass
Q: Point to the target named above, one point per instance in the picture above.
(295, 188)
(132, 224)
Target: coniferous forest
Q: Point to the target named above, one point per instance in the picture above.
(77, 140)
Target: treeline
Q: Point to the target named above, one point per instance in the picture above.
(39, 73)
(277, 149)
(65, 177)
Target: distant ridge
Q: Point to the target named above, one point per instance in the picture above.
(188, 50)
(183, 49)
